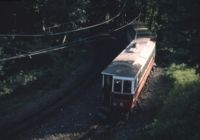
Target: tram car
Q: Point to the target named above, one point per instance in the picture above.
(125, 77)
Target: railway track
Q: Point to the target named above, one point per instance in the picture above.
(97, 128)
(83, 83)
(48, 110)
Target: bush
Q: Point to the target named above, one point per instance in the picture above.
(179, 117)
(21, 79)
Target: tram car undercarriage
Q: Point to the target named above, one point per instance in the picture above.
(124, 78)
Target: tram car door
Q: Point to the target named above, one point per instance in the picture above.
(107, 87)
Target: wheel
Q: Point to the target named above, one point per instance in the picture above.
(127, 115)
(137, 108)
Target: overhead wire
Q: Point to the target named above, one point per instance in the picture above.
(67, 45)
(128, 24)
(69, 31)
(59, 25)
(56, 26)
(64, 45)
(54, 48)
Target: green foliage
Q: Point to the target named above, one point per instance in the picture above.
(39, 14)
(151, 14)
(96, 9)
(182, 75)
(175, 23)
(179, 117)
(20, 79)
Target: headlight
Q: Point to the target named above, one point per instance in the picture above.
(121, 104)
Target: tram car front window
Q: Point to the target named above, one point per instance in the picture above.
(118, 86)
(127, 86)
(122, 86)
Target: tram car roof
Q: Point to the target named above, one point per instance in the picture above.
(132, 58)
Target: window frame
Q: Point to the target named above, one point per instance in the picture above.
(131, 87)
(132, 80)
(121, 90)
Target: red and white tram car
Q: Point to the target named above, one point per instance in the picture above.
(125, 77)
